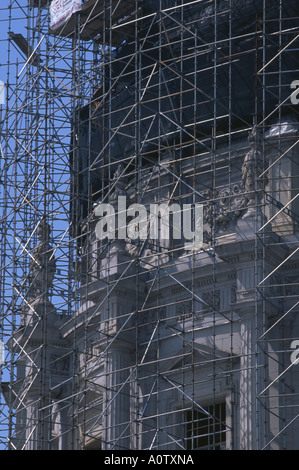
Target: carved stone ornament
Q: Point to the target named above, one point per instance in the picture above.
(253, 166)
(119, 182)
(222, 215)
(43, 265)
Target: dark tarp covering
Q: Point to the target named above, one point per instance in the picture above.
(114, 133)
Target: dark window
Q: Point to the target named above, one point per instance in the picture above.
(206, 431)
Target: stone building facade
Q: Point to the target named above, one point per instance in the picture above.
(182, 352)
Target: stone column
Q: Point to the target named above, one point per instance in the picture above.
(31, 440)
(38, 424)
(248, 308)
(247, 381)
(116, 418)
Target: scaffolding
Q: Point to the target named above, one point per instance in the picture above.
(139, 341)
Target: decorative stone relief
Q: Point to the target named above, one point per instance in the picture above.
(147, 252)
(221, 215)
(43, 265)
(119, 182)
(253, 166)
